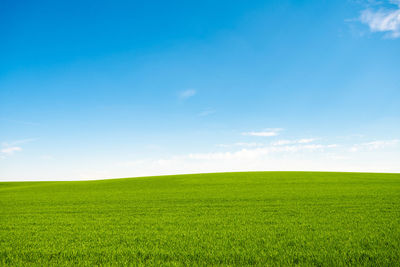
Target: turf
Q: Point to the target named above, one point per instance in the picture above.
(254, 218)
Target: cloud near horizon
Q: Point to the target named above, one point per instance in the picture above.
(283, 155)
(241, 144)
(266, 133)
(10, 150)
(291, 142)
(294, 157)
(275, 143)
(375, 145)
(256, 152)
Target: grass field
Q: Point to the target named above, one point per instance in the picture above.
(259, 218)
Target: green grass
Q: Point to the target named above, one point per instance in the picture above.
(255, 218)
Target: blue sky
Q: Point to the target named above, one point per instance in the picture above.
(128, 88)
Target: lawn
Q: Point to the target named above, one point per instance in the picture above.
(249, 218)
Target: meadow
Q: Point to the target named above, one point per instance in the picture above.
(249, 218)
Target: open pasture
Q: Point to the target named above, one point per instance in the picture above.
(249, 218)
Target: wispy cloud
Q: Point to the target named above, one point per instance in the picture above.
(187, 93)
(259, 158)
(10, 150)
(307, 157)
(206, 112)
(291, 142)
(266, 133)
(242, 144)
(304, 154)
(257, 152)
(383, 20)
(18, 142)
(375, 145)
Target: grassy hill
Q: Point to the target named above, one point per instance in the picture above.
(263, 218)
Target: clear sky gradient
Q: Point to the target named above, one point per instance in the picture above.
(102, 89)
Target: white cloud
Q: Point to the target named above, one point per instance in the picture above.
(383, 20)
(10, 150)
(285, 155)
(187, 93)
(282, 142)
(381, 144)
(18, 142)
(206, 112)
(294, 157)
(306, 140)
(266, 133)
(242, 144)
(241, 154)
(257, 152)
(375, 145)
(291, 142)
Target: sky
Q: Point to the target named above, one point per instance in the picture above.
(107, 89)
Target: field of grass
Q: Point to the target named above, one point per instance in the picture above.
(254, 218)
